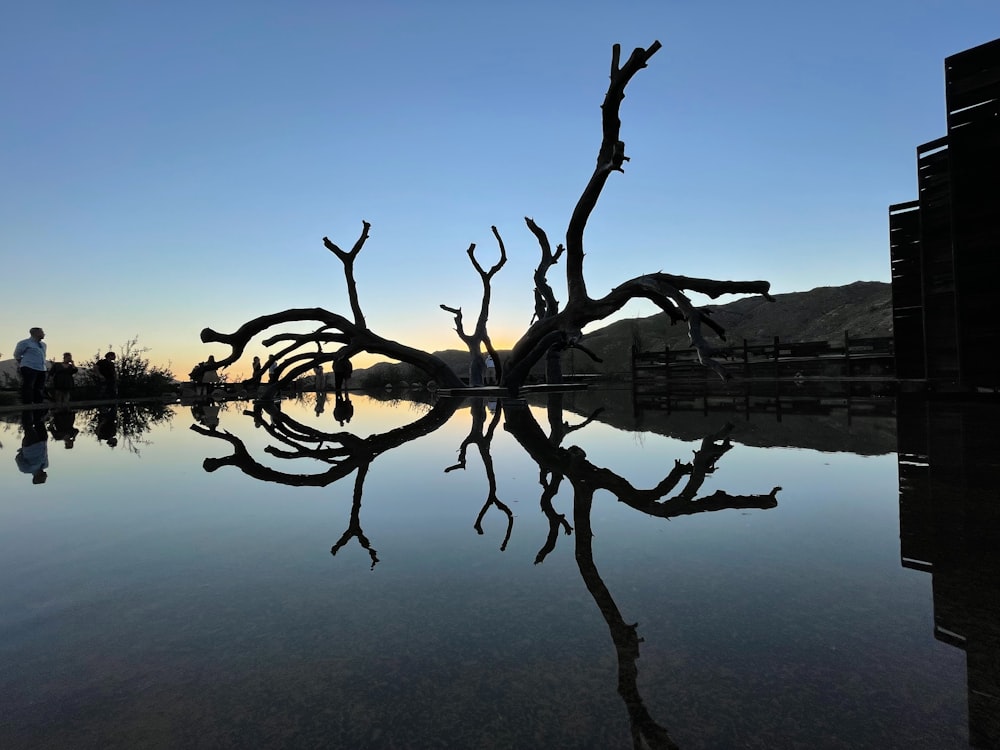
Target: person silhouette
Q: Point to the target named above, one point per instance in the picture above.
(29, 354)
(210, 376)
(33, 455)
(62, 374)
(106, 369)
(343, 409)
(272, 376)
(62, 427)
(107, 426)
(206, 414)
(342, 369)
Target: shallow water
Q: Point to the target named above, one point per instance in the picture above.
(177, 588)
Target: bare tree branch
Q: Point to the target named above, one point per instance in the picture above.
(609, 159)
(348, 260)
(475, 340)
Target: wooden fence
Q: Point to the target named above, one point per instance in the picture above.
(869, 358)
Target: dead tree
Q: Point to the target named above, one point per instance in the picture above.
(343, 452)
(546, 304)
(552, 331)
(479, 336)
(351, 334)
(481, 437)
(564, 328)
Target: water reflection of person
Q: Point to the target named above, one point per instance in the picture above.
(206, 414)
(343, 410)
(62, 427)
(320, 402)
(107, 425)
(33, 455)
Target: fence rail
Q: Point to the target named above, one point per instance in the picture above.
(868, 357)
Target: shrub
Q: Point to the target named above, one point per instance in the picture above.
(136, 376)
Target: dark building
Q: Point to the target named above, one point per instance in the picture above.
(945, 246)
(949, 526)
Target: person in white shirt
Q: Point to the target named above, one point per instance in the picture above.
(30, 356)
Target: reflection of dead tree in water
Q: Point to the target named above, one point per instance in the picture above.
(343, 451)
(586, 479)
(354, 530)
(551, 480)
(481, 438)
(623, 635)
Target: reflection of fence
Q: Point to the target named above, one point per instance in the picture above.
(792, 377)
(871, 358)
(770, 396)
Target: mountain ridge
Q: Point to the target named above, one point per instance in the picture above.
(863, 309)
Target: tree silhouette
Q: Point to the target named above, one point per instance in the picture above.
(346, 453)
(553, 329)
(481, 437)
(343, 452)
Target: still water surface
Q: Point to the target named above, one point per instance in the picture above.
(505, 576)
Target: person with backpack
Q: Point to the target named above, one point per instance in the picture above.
(342, 369)
(109, 376)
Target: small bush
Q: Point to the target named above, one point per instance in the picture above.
(136, 376)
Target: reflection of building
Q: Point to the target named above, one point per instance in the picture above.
(949, 526)
(945, 246)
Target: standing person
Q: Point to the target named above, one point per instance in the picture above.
(342, 369)
(30, 356)
(62, 378)
(258, 369)
(491, 370)
(272, 377)
(210, 376)
(320, 379)
(106, 369)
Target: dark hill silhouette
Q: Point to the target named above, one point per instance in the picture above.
(863, 308)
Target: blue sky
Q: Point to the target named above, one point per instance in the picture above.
(171, 166)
